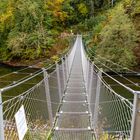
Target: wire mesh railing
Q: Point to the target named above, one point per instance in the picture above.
(35, 105)
(112, 108)
(114, 113)
(111, 113)
(40, 103)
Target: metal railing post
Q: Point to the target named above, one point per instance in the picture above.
(87, 76)
(96, 109)
(90, 83)
(90, 92)
(47, 91)
(135, 124)
(58, 81)
(1, 118)
(67, 68)
(64, 75)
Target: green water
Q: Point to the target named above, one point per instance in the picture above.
(121, 90)
(15, 77)
(5, 69)
(8, 77)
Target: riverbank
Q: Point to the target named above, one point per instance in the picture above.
(25, 63)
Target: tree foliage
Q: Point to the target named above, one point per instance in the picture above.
(118, 38)
(28, 28)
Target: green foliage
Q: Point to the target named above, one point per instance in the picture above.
(95, 25)
(28, 37)
(136, 8)
(118, 38)
(82, 8)
(28, 28)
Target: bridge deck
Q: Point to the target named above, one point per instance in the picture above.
(73, 122)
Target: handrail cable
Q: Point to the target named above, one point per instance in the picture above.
(116, 72)
(113, 62)
(21, 82)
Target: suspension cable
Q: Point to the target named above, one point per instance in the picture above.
(115, 72)
(118, 64)
(25, 80)
(118, 73)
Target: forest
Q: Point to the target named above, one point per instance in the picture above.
(33, 30)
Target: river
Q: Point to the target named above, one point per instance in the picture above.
(24, 72)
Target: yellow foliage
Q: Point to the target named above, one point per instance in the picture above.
(59, 1)
(60, 15)
(109, 18)
(95, 39)
(56, 8)
(6, 17)
(106, 137)
(55, 58)
(82, 8)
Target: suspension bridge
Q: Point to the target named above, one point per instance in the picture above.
(71, 101)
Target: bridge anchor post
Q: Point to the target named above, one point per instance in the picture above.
(135, 124)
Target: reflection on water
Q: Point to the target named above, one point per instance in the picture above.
(23, 73)
(8, 76)
(121, 90)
